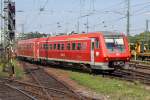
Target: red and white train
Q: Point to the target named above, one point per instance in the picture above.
(97, 50)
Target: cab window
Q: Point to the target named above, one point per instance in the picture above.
(96, 43)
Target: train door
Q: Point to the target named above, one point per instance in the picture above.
(92, 51)
(36, 51)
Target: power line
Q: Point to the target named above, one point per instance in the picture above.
(114, 5)
(140, 4)
(128, 18)
(136, 5)
(43, 8)
(141, 8)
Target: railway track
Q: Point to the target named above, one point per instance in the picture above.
(136, 72)
(140, 62)
(51, 87)
(11, 92)
(40, 86)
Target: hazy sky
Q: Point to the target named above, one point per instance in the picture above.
(67, 15)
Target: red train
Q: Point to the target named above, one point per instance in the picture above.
(97, 50)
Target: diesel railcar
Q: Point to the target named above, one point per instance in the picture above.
(96, 50)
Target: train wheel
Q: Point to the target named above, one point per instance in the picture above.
(94, 71)
(86, 68)
(111, 71)
(43, 62)
(143, 58)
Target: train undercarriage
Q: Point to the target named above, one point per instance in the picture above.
(107, 67)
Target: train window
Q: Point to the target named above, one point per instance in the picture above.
(68, 46)
(79, 46)
(97, 44)
(62, 46)
(54, 46)
(50, 47)
(58, 46)
(73, 46)
(45, 46)
(92, 45)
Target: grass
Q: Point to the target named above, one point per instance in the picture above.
(112, 88)
(19, 73)
(2, 74)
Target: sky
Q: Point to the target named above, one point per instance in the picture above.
(63, 16)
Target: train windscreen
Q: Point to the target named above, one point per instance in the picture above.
(115, 44)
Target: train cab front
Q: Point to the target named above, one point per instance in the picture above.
(116, 51)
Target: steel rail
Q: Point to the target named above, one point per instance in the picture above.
(35, 85)
(59, 81)
(15, 88)
(65, 85)
(44, 90)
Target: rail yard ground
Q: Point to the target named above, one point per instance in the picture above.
(19, 72)
(85, 84)
(111, 89)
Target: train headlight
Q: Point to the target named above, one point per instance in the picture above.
(106, 58)
(97, 54)
(128, 58)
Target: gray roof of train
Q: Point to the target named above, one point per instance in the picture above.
(111, 33)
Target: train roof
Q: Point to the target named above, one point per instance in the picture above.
(69, 37)
(111, 33)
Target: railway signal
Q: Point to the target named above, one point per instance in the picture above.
(9, 35)
(11, 19)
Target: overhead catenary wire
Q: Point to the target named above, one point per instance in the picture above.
(83, 1)
(43, 7)
(113, 7)
(40, 8)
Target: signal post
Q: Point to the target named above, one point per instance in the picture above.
(9, 35)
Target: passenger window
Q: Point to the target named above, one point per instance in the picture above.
(50, 47)
(58, 46)
(79, 46)
(54, 46)
(73, 46)
(45, 46)
(68, 46)
(62, 46)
